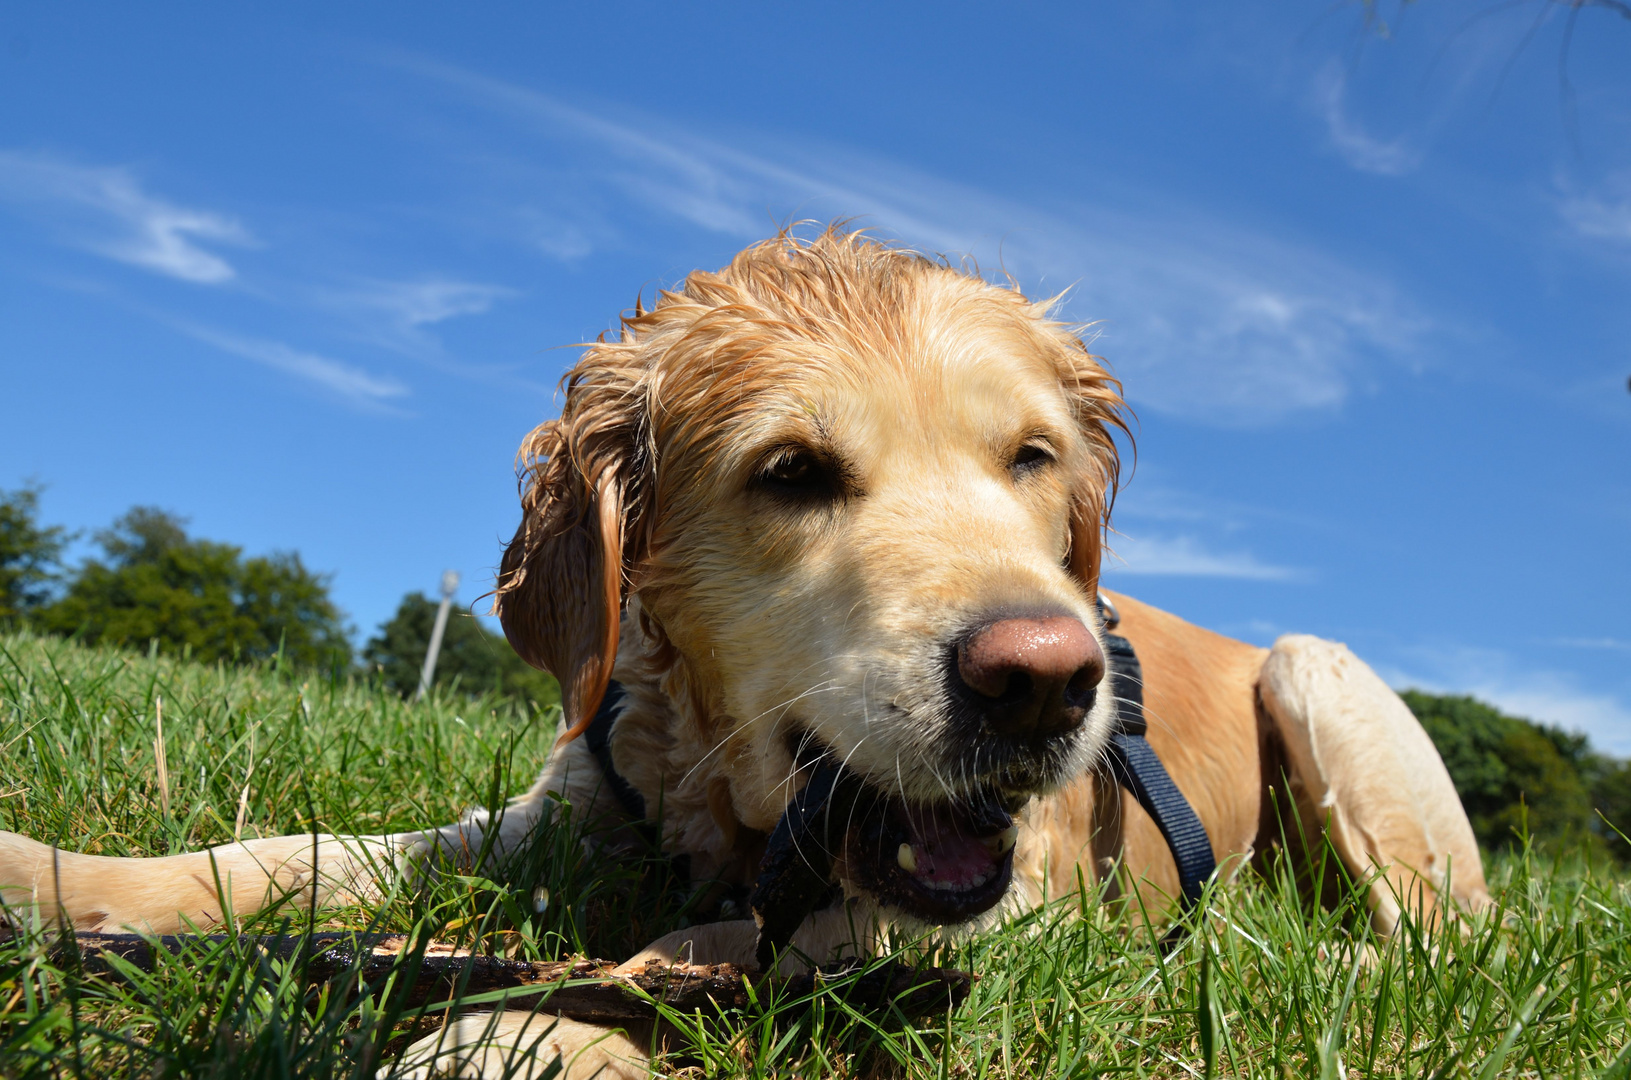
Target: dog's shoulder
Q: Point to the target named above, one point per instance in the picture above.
(1170, 647)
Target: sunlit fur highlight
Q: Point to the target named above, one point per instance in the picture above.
(737, 623)
(650, 410)
(669, 421)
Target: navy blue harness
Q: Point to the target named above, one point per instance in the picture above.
(598, 737)
(1134, 765)
(1130, 759)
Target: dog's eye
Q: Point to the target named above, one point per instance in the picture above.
(1028, 459)
(799, 473)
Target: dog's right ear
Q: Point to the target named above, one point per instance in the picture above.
(565, 575)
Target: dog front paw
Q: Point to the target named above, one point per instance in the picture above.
(517, 1044)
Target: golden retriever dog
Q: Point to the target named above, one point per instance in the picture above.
(839, 502)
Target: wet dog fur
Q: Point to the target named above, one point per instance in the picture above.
(772, 506)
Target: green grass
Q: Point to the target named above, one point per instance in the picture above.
(1266, 987)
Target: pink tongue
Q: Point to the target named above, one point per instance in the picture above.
(947, 856)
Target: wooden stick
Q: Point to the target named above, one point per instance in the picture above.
(578, 989)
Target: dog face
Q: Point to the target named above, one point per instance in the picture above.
(858, 497)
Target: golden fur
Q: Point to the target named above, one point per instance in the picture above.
(742, 616)
(743, 624)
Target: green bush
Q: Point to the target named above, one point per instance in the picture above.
(1513, 774)
(198, 596)
(471, 657)
(158, 587)
(30, 555)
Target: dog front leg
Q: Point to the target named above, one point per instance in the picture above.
(517, 1044)
(527, 1043)
(1377, 784)
(524, 1044)
(167, 895)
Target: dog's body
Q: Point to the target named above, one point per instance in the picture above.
(837, 503)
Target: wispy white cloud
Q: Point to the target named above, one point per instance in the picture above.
(1603, 214)
(105, 210)
(351, 384)
(399, 313)
(1357, 147)
(1185, 556)
(1204, 319)
(1604, 644)
(1554, 698)
(423, 303)
(566, 238)
(1516, 686)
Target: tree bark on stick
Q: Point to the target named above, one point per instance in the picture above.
(584, 990)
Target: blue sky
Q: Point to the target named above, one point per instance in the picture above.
(307, 275)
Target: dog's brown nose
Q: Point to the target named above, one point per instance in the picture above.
(1031, 676)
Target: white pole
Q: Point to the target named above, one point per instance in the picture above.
(450, 585)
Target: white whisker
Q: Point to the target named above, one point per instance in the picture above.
(742, 727)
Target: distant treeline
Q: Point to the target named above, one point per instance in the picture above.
(472, 657)
(207, 600)
(156, 586)
(1515, 775)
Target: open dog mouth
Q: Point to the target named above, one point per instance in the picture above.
(943, 864)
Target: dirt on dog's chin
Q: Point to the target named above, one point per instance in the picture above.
(942, 864)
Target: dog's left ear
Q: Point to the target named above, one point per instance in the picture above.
(1095, 399)
(1087, 523)
(566, 574)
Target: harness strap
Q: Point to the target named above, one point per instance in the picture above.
(1135, 767)
(598, 736)
(1132, 762)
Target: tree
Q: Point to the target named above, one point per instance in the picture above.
(160, 585)
(1610, 781)
(1568, 12)
(1376, 20)
(1507, 769)
(471, 656)
(30, 556)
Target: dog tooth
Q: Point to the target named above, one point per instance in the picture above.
(949, 886)
(907, 858)
(1007, 838)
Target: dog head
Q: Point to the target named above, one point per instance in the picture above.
(856, 497)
